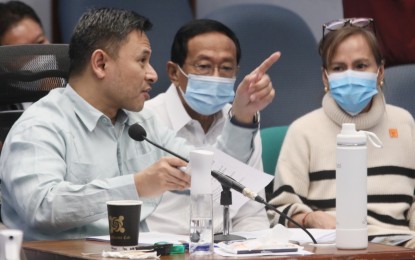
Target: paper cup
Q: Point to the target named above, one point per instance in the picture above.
(124, 220)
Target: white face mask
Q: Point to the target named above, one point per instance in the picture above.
(208, 94)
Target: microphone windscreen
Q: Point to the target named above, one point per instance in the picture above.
(137, 132)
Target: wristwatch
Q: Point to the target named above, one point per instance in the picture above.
(255, 120)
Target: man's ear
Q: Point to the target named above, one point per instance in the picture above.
(173, 73)
(98, 63)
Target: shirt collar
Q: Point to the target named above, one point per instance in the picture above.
(178, 114)
(88, 114)
(175, 109)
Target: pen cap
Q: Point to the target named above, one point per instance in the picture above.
(201, 165)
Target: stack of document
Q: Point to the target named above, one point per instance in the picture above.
(255, 248)
(276, 241)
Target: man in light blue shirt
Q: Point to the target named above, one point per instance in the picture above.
(70, 152)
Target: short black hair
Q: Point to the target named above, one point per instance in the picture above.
(194, 28)
(103, 28)
(13, 12)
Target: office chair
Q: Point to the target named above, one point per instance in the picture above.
(27, 73)
(399, 88)
(263, 29)
(7, 119)
(167, 17)
(272, 139)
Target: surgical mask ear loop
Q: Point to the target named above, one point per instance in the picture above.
(326, 87)
(184, 74)
(373, 138)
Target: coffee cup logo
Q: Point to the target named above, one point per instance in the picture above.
(117, 224)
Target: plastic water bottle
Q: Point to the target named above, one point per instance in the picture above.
(351, 189)
(201, 204)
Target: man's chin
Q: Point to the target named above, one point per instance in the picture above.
(135, 108)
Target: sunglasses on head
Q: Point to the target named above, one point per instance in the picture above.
(340, 23)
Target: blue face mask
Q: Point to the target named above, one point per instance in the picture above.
(353, 90)
(207, 94)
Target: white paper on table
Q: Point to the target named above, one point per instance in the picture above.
(130, 254)
(272, 241)
(393, 240)
(301, 252)
(248, 176)
(323, 236)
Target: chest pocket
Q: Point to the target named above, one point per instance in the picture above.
(140, 161)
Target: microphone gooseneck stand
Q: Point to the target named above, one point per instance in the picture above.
(225, 201)
(138, 133)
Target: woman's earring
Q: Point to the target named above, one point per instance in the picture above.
(381, 83)
(326, 89)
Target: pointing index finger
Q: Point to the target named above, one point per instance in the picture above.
(267, 63)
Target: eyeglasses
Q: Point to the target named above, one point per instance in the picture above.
(227, 71)
(357, 22)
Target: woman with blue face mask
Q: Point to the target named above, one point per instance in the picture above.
(353, 77)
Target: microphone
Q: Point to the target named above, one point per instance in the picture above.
(138, 133)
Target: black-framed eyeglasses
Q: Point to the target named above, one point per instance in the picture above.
(340, 23)
(227, 71)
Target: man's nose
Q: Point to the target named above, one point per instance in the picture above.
(151, 75)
